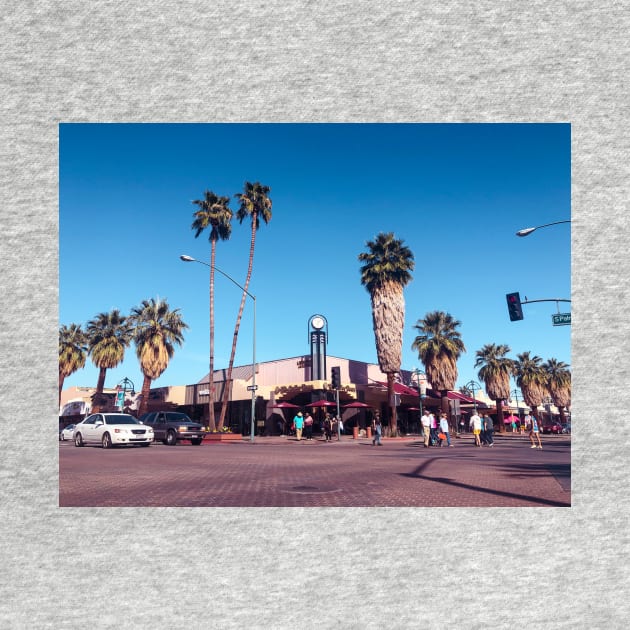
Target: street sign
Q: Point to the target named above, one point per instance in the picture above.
(561, 319)
(252, 388)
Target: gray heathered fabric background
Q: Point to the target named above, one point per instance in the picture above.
(306, 61)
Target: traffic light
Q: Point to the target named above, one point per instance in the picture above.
(515, 309)
(335, 377)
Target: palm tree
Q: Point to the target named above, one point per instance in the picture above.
(254, 203)
(558, 384)
(439, 346)
(495, 372)
(72, 352)
(531, 378)
(214, 213)
(108, 336)
(156, 329)
(385, 272)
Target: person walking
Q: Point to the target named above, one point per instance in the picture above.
(339, 428)
(426, 427)
(444, 430)
(308, 426)
(434, 430)
(488, 426)
(328, 428)
(298, 423)
(377, 431)
(475, 425)
(534, 433)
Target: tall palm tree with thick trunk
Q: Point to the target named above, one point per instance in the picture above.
(531, 378)
(385, 272)
(439, 346)
(109, 334)
(255, 204)
(495, 371)
(72, 352)
(213, 212)
(558, 384)
(156, 329)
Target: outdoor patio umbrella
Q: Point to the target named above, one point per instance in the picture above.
(510, 419)
(286, 405)
(322, 403)
(356, 405)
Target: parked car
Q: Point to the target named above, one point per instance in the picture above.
(171, 427)
(112, 429)
(554, 427)
(566, 427)
(66, 433)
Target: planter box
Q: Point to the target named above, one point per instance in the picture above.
(222, 437)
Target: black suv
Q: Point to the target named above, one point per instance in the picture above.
(172, 426)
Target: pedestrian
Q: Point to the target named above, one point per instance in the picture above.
(298, 424)
(444, 430)
(426, 427)
(475, 425)
(434, 431)
(377, 431)
(328, 428)
(513, 426)
(308, 426)
(534, 433)
(488, 426)
(339, 428)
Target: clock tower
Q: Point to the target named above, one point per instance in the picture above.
(317, 332)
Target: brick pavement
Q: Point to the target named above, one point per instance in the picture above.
(281, 472)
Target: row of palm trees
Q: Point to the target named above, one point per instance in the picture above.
(214, 214)
(385, 271)
(153, 327)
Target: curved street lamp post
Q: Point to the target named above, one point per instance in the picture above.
(529, 230)
(253, 386)
(124, 384)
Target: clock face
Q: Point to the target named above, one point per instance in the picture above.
(317, 322)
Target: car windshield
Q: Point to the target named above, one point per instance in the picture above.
(120, 419)
(178, 417)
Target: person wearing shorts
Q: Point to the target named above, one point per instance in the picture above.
(475, 425)
(534, 433)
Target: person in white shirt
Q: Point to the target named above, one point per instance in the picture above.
(444, 430)
(426, 427)
(475, 425)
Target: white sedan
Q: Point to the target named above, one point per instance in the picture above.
(112, 429)
(66, 433)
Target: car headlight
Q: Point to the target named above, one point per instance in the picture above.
(182, 429)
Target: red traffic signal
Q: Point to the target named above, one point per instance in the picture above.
(335, 380)
(515, 310)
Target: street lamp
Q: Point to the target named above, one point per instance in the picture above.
(527, 231)
(124, 383)
(253, 386)
(514, 393)
(472, 385)
(422, 386)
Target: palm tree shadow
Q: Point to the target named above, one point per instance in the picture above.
(420, 473)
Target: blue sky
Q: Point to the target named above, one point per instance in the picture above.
(455, 193)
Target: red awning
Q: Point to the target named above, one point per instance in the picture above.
(401, 389)
(464, 398)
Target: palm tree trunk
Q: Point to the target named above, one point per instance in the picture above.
(100, 386)
(499, 403)
(144, 398)
(62, 378)
(393, 421)
(211, 388)
(228, 379)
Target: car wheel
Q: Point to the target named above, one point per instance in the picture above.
(106, 442)
(78, 440)
(171, 438)
(195, 442)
